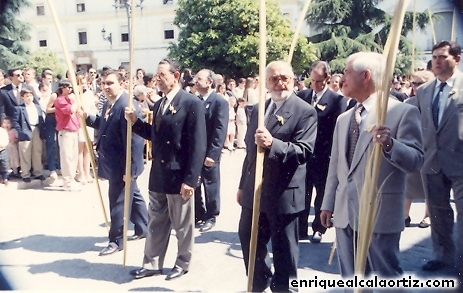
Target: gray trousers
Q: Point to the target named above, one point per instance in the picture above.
(167, 211)
(383, 255)
(442, 217)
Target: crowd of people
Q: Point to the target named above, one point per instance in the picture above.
(314, 139)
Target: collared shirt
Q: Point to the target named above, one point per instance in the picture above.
(370, 106)
(319, 95)
(278, 106)
(32, 114)
(17, 90)
(206, 96)
(443, 98)
(170, 96)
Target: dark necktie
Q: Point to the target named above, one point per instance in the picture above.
(18, 95)
(270, 113)
(157, 119)
(106, 115)
(314, 100)
(354, 132)
(435, 105)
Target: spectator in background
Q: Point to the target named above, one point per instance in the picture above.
(28, 121)
(334, 83)
(2, 78)
(139, 77)
(239, 90)
(241, 124)
(12, 147)
(67, 125)
(29, 78)
(414, 188)
(231, 128)
(4, 166)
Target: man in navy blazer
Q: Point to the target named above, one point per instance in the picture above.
(111, 146)
(328, 105)
(9, 94)
(288, 140)
(178, 136)
(216, 111)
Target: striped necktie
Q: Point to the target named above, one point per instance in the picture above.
(354, 132)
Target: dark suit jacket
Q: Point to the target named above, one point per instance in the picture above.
(112, 141)
(21, 122)
(216, 111)
(8, 100)
(179, 147)
(328, 109)
(283, 187)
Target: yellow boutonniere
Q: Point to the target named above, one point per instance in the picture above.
(452, 92)
(280, 119)
(172, 109)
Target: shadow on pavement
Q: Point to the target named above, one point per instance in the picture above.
(152, 289)
(54, 244)
(82, 269)
(315, 257)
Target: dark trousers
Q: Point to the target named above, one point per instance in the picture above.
(316, 177)
(4, 166)
(282, 230)
(137, 209)
(210, 178)
(51, 142)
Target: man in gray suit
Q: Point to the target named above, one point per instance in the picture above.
(441, 105)
(400, 139)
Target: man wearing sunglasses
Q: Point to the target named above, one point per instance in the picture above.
(9, 94)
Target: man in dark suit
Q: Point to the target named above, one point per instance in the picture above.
(328, 105)
(178, 137)
(9, 94)
(111, 147)
(288, 140)
(216, 110)
(441, 105)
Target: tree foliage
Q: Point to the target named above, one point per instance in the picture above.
(41, 59)
(223, 35)
(13, 33)
(349, 26)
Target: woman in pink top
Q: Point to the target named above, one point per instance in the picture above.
(67, 125)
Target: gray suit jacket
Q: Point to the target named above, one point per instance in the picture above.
(443, 148)
(344, 184)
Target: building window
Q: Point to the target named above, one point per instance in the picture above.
(40, 10)
(124, 34)
(168, 31)
(42, 43)
(82, 38)
(80, 7)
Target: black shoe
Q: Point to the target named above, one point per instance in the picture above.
(142, 272)
(136, 237)
(316, 237)
(433, 265)
(40, 177)
(27, 179)
(176, 272)
(208, 225)
(408, 220)
(424, 223)
(110, 249)
(199, 223)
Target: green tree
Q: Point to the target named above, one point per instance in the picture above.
(13, 33)
(349, 26)
(223, 35)
(43, 58)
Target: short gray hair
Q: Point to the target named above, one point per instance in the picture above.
(374, 62)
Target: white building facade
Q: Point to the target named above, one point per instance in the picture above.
(96, 32)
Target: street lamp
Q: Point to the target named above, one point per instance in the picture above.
(108, 38)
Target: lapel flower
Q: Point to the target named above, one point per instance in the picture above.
(207, 106)
(321, 107)
(172, 109)
(452, 92)
(280, 119)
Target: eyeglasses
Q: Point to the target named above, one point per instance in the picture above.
(417, 83)
(18, 74)
(276, 78)
(161, 74)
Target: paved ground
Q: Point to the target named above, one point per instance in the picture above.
(49, 241)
